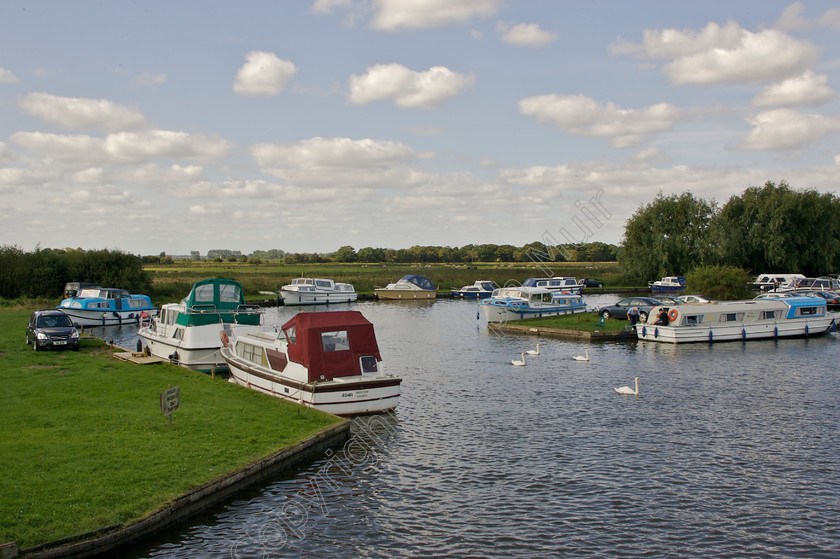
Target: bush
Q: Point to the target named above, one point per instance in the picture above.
(719, 282)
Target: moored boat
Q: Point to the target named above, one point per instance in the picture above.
(753, 319)
(557, 283)
(190, 333)
(478, 290)
(516, 303)
(317, 291)
(106, 306)
(667, 284)
(326, 360)
(408, 287)
(773, 282)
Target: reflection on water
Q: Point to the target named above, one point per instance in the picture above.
(731, 449)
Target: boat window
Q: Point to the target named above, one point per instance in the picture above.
(546, 297)
(323, 283)
(693, 320)
(770, 315)
(335, 341)
(369, 364)
(250, 352)
(277, 359)
(99, 305)
(732, 317)
(290, 335)
(136, 303)
(229, 293)
(806, 311)
(204, 293)
(179, 334)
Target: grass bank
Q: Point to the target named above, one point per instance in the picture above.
(581, 322)
(85, 445)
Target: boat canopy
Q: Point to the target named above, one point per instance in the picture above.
(221, 294)
(331, 344)
(419, 281)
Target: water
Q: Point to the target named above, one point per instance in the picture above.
(730, 449)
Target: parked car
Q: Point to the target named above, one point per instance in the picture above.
(591, 282)
(832, 300)
(689, 299)
(619, 309)
(51, 329)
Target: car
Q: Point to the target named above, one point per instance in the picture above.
(832, 299)
(619, 309)
(591, 282)
(51, 329)
(692, 299)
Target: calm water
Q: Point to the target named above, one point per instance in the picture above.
(731, 450)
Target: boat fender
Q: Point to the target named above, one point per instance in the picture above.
(806, 329)
(644, 331)
(672, 316)
(743, 333)
(775, 331)
(711, 336)
(224, 337)
(656, 332)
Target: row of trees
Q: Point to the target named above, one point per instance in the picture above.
(772, 228)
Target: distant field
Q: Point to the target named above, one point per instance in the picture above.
(171, 282)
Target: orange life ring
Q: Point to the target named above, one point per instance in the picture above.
(672, 316)
(224, 337)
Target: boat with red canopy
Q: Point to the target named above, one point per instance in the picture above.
(325, 360)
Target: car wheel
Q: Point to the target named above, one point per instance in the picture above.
(605, 314)
(600, 284)
(643, 316)
(34, 345)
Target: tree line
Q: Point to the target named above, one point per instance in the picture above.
(767, 229)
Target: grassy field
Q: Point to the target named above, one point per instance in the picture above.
(85, 444)
(584, 322)
(173, 282)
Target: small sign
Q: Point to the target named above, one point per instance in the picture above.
(170, 399)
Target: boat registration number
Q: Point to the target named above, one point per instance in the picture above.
(356, 394)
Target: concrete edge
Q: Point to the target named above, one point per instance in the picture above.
(187, 505)
(575, 335)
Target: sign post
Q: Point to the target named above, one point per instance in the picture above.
(170, 399)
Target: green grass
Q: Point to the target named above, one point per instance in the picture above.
(584, 322)
(84, 444)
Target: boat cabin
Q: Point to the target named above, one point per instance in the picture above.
(553, 284)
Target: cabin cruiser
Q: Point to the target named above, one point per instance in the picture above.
(106, 306)
(779, 317)
(774, 282)
(190, 333)
(408, 287)
(478, 290)
(557, 283)
(667, 284)
(325, 360)
(516, 303)
(317, 291)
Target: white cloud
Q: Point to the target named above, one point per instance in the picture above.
(148, 79)
(263, 74)
(785, 129)
(525, 35)
(582, 116)
(26, 176)
(808, 88)
(792, 20)
(723, 54)
(393, 15)
(123, 147)
(406, 88)
(7, 76)
(6, 154)
(329, 6)
(79, 112)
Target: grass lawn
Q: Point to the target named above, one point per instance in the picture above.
(585, 322)
(84, 444)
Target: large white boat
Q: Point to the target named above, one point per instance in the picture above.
(317, 291)
(106, 306)
(774, 282)
(753, 319)
(557, 283)
(190, 333)
(516, 303)
(408, 287)
(325, 360)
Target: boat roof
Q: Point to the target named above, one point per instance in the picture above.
(311, 332)
(218, 292)
(420, 281)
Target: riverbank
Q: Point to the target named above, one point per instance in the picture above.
(87, 447)
(583, 327)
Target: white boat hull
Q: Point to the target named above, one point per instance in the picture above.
(495, 313)
(92, 318)
(405, 294)
(198, 349)
(734, 332)
(294, 298)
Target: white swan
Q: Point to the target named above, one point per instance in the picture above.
(534, 351)
(581, 357)
(519, 363)
(629, 391)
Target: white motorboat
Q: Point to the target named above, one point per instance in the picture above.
(317, 291)
(408, 287)
(516, 303)
(557, 283)
(478, 290)
(752, 319)
(106, 306)
(325, 360)
(190, 333)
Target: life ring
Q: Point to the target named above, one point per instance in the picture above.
(224, 337)
(672, 315)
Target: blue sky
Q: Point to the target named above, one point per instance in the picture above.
(155, 127)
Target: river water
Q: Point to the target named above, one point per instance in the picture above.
(730, 450)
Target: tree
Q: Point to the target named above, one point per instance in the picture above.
(345, 254)
(669, 236)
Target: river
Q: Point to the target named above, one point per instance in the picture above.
(730, 450)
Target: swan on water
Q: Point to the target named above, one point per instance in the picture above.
(581, 357)
(629, 391)
(534, 351)
(519, 363)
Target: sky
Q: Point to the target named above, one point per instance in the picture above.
(306, 126)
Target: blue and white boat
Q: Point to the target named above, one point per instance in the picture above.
(516, 303)
(753, 319)
(478, 290)
(557, 283)
(668, 284)
(107, 306)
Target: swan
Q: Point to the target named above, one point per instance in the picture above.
(519, 363)
(534, 351)
(581, 357)
(629, 391)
